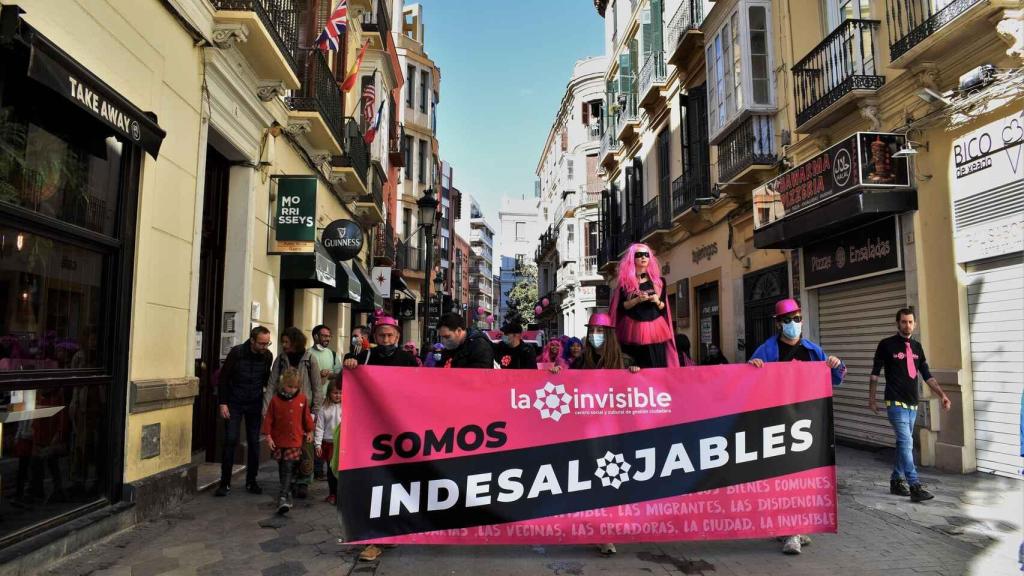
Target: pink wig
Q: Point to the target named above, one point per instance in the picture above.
(627, 279)
(555, 358)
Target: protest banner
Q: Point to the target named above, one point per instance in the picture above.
(584, 456)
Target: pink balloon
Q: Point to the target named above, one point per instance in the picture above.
(480, 310)
(538, 310)
(545, 302)
(490, 317)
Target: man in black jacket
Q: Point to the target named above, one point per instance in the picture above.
(512, 353)
(387, 352)
(463, 348)
(245, 372)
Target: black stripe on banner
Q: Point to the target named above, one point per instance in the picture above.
(547, 480)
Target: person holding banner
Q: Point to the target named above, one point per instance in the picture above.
(463, 348)
(573, 353)
(511, 353)
(640, 311)
(553, 354)
(789, 346)
(387, 352)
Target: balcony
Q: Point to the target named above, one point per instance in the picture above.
(593, 130)
(750, 146)
(396, 146)
(922, 30)
(589, 268)
(652, 80)
(566, 276)
(385, 246)
(835, 74)
(689, 193)
(369, 208)
(628, 116)
(609, 142)
(548, 241)
(318, 103)
(376, 25)
(683, 38)
(410, 259)
(622, 238)
(656, 218)
(267, 33)
(350, 170)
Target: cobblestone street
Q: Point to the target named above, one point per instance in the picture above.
(972, 527)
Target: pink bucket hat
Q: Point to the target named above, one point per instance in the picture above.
(783, 307)
(386, 321)
(601, 319)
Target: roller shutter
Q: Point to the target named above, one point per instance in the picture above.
(852, 319)
(995, 299)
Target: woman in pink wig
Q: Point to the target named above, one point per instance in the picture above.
(643, 320)
(553, 353)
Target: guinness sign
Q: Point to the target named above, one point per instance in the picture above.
(343, 239)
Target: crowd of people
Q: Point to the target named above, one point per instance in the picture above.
(294, 401)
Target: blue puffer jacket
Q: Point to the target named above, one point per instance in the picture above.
(769, 352)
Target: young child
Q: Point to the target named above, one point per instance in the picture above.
(286, 424)
(327, 421)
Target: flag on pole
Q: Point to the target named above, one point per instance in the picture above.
(371, 132)
(353, 72)
(369, 99)
(334, 29)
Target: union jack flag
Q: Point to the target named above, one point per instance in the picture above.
(330, 38)
(369, 98)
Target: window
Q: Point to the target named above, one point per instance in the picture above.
(571, 234)
(740, 66)
(664, 178)
(424, 87)
(407, 142)
(569, 168)
(421, 161)
(407, 221)
(520, 230)
(591, 229)
(410, 86)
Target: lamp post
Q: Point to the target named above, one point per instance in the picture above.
(428, 212)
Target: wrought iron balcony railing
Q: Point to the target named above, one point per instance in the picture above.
(628, 110)
(688, 17)
(843, 62)
(386, 245)
(589, 266)
(654, 71)
(912, 21)
(410, 257)
(396, 145)
(319, 92)
(751, 143)
(279, 17)
(354, 151)
(656, 214)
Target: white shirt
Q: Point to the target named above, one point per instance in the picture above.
(327, 421)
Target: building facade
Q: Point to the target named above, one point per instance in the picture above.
(832, 180)
(570, 191)
(519, 227)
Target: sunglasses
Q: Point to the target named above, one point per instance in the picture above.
(789, 319)
(642, 255)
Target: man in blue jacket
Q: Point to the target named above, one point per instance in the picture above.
(789, 346)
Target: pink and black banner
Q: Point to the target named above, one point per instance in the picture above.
(585, 456)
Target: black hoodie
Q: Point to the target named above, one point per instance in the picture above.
(474, 352)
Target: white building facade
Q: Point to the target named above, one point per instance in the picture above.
(519, 227)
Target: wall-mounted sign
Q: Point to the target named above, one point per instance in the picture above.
(380, 278)
(294, 215)
(866, 251)
(705, 252)
(862, 161)
(987, 181)
(343, 239)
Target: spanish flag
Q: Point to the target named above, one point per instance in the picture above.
(353, 72)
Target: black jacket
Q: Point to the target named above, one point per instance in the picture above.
(522, 357)
(373, 357)
(474, 352)
(243, 375)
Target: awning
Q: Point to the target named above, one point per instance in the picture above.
(348, 287)
(316, 270)
(398, 284)
(370, 300)
(842, 214)
(55, 69)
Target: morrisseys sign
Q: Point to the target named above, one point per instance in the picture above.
(528, 457)
(343, 239)
(866, 251)
(294, 215)
(862, 161)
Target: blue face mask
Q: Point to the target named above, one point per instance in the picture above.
(449, 343)
(506, 339)
(597, 340)
(791, 330)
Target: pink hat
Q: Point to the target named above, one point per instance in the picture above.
(386, 321)
(601, 319)
(783, 307)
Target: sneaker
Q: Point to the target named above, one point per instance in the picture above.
(283, 505)
(792, 545)
(222, 490)
(253, 488)
(301, 491)
(899, 487)
(919, 494)
(331, 499)
(370, 553)
(607, 549)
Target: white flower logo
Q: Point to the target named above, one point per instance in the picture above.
(612, 469)
(552, 401)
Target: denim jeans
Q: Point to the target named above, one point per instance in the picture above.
(902, 421)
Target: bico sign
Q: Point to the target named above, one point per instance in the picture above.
(294, 215)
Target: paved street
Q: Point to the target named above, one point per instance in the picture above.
(972, 527)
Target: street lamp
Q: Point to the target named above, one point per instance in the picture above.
(428, 213)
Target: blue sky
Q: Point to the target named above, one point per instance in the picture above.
(504, 67)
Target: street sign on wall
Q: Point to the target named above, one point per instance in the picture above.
(294, 224)
(866, 251)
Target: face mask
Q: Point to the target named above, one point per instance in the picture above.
(597, 340)
(356, 342)
(791, 330)
(450, 344)
(437, 356)
(387, 350)
(506, 339)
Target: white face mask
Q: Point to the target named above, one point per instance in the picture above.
(597, 340)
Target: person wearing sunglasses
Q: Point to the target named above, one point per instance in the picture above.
(790, 346)
(640, 310)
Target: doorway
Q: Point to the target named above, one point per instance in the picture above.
(761, 290)
(708, 313)
(210, 306)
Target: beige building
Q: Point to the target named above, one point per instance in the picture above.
(166, 173)
(840, 153)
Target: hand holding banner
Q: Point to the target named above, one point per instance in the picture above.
(585, 456)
